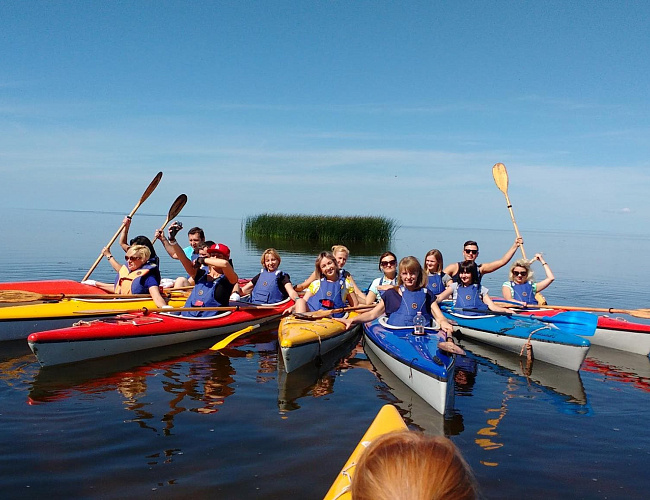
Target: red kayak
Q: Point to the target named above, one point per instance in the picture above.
(48, 287)
(615, 333)
(138, 331)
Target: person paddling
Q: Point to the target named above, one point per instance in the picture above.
(521, 286)
(468, 293)
(387, 264)
(402, 302)
(271, 285)
(212, 287)
(332, 289)
(470, 251)
(437, 279)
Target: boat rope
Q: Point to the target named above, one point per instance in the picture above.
(411, 367)
(82, 323)
(347, 475)
(528, 346)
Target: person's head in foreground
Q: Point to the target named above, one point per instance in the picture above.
(409, 465)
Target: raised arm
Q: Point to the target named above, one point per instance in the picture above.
(489, 267)
(171, 246)
(549, 274)
(124, 235)
(106, 251)
(303, 286)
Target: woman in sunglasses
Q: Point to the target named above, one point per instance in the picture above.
(437, 279)
(331, 290)
(468, 295)
(138, 275)
(388, 265)
(522, 287)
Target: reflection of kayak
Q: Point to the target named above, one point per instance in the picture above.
(618, 366)
(387, 420)
(303, 340)
(134, 332)
(615, 333)
(563, 386)
(18, 321)
(414, 359)
(549, 343)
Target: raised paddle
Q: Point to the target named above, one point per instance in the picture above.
(223, 343)
(500, 175)
(145, 195)
(174, 210)
(325, 313)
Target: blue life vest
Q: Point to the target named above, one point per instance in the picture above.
(469, 297)
(328, 296)
(523, 292)
(456, 277)
(411, 303)
(266, 290)
(203, 296)
(435, 284)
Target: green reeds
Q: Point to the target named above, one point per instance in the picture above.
(319, 228)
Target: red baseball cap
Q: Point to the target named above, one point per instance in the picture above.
(219, 248)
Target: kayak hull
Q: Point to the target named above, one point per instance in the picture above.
(305, 341)
(135, 332)
(549, 343)
(415, 360)
(47, 287)
(387, 420)
(19, 321)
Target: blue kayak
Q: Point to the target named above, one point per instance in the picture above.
(415, 360)
(549, 342)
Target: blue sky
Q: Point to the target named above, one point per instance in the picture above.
(386, 108)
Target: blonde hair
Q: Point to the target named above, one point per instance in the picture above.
(409, 465)
(140, 251)
(340, 248)
(321, 256)
(526, 265)
(413, 265)
(438, 255)
(270, 251)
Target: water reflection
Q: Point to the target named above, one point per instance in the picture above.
(416, 412)
(191, 378)
(316, 380)
(613, 365)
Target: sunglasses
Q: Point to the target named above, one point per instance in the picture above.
(130, 258)
(387, 263)
(470, 251)
(519, 273)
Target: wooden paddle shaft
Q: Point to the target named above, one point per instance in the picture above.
(143, 198)
(500, 174)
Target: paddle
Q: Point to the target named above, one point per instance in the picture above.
(579, 324)
(145, 195)
(223, 343)
(148, 310)
(324, 313)
(637, 313)
(174, 210)
(500, 175)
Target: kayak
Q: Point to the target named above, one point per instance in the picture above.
(549, 342)
(387, 420)
(19, 321)
(414, 359)
(305, 340)
(51, 287)
(615, 333)
(134, 332)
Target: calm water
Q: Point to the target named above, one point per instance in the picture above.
(188, 422)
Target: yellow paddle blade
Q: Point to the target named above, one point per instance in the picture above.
(223, 343)
(638, 313)
(500, 175)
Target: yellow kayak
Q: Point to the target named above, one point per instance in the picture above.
(387, 420)
(306, 340)
(19, 321)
